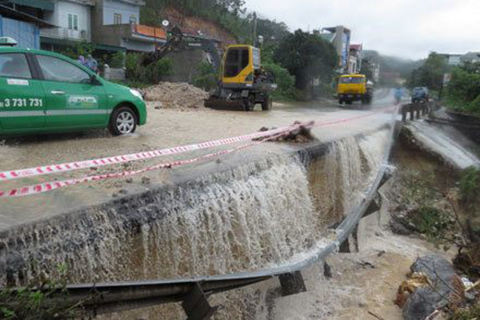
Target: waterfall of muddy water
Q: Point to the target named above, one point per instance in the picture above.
(252, 217)
(336, 183)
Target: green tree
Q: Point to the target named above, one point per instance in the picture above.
(429, 75)
(78, 49)
(307, 56)
(271, 30)
(284, 80)
(463, 91)
(367, 69)
(229, 14)
(151, 74)
(117, 60)
(207, 77)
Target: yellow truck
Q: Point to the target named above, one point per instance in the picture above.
(354, 87)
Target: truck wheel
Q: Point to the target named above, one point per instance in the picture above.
(348, 101)
(267, 104)
(249, 104)
(123, 121)
(340, 101)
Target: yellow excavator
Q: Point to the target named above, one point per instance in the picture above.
(242, 84)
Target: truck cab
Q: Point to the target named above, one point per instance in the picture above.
(354, 87)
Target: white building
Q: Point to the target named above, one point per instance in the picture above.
(73, 21)
(355, 58)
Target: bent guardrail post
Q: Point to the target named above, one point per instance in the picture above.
(404, 110)
(292, 283)
(196, 305)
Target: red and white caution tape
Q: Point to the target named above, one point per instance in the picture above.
(72, 166)
(50, 186)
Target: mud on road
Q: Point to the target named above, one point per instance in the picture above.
(166, 127)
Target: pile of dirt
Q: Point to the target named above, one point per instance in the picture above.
(169, 95)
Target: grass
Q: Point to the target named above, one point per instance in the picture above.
(432, 222)
(468, 313)
(462, 106)
(470, 186)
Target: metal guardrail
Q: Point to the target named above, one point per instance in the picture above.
(97, 299)
(416, 110)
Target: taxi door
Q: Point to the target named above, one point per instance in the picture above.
(72, 100)
(22, 99)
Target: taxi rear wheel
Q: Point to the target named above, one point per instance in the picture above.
(123, 121)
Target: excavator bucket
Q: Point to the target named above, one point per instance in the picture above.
(222, 104)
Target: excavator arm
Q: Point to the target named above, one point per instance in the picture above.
(177, 40)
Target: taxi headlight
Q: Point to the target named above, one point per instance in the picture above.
(136, 93)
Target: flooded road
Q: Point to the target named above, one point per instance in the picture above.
(255, 209)
(165, 128)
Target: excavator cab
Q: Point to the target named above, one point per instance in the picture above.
(241, 63)
(243, 83)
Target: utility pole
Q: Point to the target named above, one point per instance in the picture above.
(254, 29)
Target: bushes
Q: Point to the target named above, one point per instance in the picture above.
(431, 222)
(117, 60)
(463, 91)
(470, 186)
(79, 49)
(284, 80)
(162, 68)
(207, 77)
(307, 57)
(151, 74)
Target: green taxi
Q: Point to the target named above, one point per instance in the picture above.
(45, 92)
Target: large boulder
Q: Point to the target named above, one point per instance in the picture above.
(446, 288)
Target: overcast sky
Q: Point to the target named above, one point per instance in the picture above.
(403, 28)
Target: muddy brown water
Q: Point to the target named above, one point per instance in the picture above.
(267, 207)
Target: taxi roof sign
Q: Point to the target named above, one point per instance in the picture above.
(7, 41)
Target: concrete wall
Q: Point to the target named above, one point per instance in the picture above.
(137, 45)
(182, 65)
(26, 34)
(110, 7)
(97, 17)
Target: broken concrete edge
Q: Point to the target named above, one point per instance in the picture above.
(409, 139)
(221, 283)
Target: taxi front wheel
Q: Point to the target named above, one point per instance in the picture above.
(123, 121)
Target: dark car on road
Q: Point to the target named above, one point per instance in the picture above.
(420, 94)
